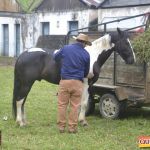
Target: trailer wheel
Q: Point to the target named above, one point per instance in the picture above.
(110, 107)
(90, 107)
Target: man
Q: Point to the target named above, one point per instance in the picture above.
(75, 66)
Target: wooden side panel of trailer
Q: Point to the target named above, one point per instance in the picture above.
(134, 75)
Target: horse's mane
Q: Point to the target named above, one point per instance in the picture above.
(102, 43)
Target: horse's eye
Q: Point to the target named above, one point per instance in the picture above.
(126, 42)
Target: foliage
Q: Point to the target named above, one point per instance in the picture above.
(141, 45)
(29, 5)
(41, 133)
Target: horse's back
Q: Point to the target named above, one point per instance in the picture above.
(36, 64)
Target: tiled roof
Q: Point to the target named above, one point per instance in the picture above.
(54, 5)
(60, 5)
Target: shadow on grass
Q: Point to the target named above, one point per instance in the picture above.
(137, 113)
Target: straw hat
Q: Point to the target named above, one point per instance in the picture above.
(83, 37)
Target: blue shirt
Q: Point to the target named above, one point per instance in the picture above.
(75, 61)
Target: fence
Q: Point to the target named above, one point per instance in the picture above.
(109, 22)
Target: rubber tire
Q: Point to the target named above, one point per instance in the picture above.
(113, 109)
(90, 107)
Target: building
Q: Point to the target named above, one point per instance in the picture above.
(117, 9)
(10, 6)
(20, 31)
(10, 28)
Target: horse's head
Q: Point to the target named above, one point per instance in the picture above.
(123, 46)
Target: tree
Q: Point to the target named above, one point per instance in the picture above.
(141, 46)
(29, 5)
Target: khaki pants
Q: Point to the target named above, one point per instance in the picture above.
(70, 92)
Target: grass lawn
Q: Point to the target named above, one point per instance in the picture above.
(41, 132)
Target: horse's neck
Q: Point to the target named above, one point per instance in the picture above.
(95, 50)
(103, 57)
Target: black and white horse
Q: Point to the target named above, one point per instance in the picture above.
(36, 64)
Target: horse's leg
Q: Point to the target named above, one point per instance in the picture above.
(84, 102)
(23, 112)
(21, 118)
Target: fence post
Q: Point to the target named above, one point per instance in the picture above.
(104, 28)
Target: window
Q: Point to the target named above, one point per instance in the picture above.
(5, 40)
(45, 28)
(73, 25)
(17, 46)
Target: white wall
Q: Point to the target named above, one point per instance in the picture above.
(33, 22)
(11, 21)
(105, 15)
(63, 18)
(31, 27)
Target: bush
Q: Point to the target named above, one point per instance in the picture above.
(141, 46)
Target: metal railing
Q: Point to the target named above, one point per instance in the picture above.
(109, 22)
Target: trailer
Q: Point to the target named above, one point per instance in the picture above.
(120, 86)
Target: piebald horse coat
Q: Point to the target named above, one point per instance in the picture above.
(37, 64)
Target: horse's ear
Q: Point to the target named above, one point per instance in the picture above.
(120, 32)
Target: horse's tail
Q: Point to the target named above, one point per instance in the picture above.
(17, 86)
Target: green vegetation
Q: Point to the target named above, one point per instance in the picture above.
(29, 5)
(141, 46)
(41, 132)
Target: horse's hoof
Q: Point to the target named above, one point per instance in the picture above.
(21, 124)
(83, 123)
